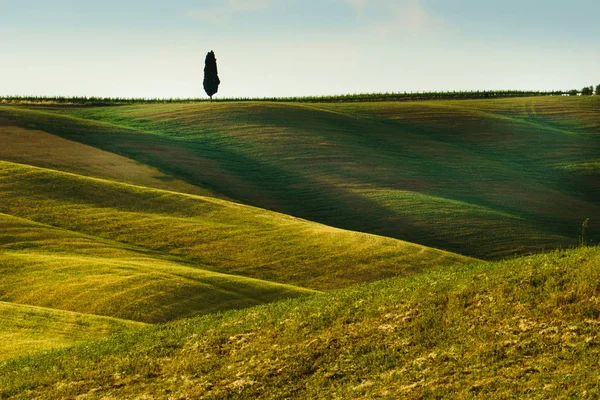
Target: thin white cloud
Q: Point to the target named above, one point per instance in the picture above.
(225, 12)
(389, 16)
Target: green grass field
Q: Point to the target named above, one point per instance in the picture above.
(300, 250)
(489, 178)
(54, 268)
(525, 328)
(210, 233)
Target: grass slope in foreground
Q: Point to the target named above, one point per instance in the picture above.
(25, 330)
(486, 178)
(526, 327)
(210, 233)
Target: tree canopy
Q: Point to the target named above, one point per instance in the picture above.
(211, 76)
(587, 91)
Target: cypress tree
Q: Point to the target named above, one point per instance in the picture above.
(211, 76)
(598, 90)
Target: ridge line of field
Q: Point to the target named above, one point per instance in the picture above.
(504, 117)
(182, 266)
(67, 312)
(152, 255)
(443, 104)
(14, 111)
(142, 251)
(204, 198)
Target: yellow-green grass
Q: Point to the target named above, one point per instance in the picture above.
(524, 328)
(323, 162)
(25, 330)
(42, 149)
(45, 266)
(591, 167)
(214, 234)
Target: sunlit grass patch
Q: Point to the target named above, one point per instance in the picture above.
(25, 330)
(585, 168)
(526, 327)
(213, 234)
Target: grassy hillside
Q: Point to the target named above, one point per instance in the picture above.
(49, 267)
(210, 233)
(150, 213)
(486, 178)
(42, 149)
(522, 328)
(25, 330)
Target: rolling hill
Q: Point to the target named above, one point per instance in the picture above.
(211, 233)
(520, 328)
(484, 178)
(252, 234)
(95, 246)
(55, 268)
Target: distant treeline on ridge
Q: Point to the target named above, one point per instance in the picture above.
(406, 96)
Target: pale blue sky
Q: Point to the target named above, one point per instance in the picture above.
(136, 48)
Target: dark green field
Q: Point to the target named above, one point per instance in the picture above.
(388, 237)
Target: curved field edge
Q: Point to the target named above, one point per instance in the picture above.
(49, 267)
(214, 234)
(525, 327)
(25, 330)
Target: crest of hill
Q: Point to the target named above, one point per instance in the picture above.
(520, 328)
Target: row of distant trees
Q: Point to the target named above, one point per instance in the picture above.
(586, 91)
(364, 97)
